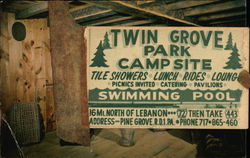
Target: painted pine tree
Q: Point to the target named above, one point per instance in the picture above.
(229, 45)
(106, 44)
(234, 60)
(99, 60)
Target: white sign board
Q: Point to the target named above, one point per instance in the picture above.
(167, 77)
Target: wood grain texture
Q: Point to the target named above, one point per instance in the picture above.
(148, 145)
(26, 66)
(124, 7)
(69, 75)
(212, 8)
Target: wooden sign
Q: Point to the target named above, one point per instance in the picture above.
(167, 77)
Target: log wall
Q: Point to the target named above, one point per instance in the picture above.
(25, 66)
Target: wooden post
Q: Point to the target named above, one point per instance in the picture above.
(69, 74)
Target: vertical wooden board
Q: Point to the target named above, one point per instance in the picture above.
(15, 54)
(26, 65)
(28, 75)
(50, 108)
(41, 96)
(4, 61)
(38, 50)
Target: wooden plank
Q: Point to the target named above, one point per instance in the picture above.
(94, 16)
(227, 5)
(23, 75)
(89, 10)
(33, 10)
(69, 75)
(4, 62)
(148, 144)
(227, 21)
(178, 149)
(76, 8)
(81, 14)
(136, 22)
(39, 63)
(87, 13)
(114, 19)
(220, 16)
(107, 20)
(50, 106)
(15, 55)
(124, 7)
(155, 3)
(186, 4)
(144, 2)
(38, 71)
(28, 67)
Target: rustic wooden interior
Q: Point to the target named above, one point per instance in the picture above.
(25, 66)
(26, 73)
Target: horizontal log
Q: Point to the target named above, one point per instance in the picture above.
(228, 21)
(212, 8)
(186, 4)
(136, 22)
(94, 16)
(220, 16)
(85, 11)
(110, 20)
(33, 10)
(81, 14)
(76, 8)
(134, 10)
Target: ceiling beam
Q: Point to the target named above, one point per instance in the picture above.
(221, 16)
(233, 24)
(184, 4)
(76, 8)
(94, 16)
(144, 2)
(81, 14)
(85, 11)
(33, 10)
(134, 10)
(136, 22)
(109, 21)
(214, 8)
(227, 21)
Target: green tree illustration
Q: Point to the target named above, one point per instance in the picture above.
(106, 44)
(234, 60)
(98, 60)
(229, 45)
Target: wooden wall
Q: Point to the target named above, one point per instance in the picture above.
(25, 66)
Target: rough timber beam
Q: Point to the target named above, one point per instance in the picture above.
(33, 10)
(186, 4)
(137, 23)
(109, 20)
(93, 16)
(81, 14)
(69, 74)
(220, 16)
(228, 21)
(212, 8)
(134, 10)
